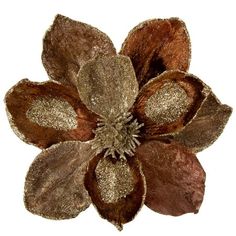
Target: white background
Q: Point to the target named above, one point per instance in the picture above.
(211, 25)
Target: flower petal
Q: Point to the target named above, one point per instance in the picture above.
(117, 188)
(158, 45)
(206, 126)
(54, 186)
(46, 113)
(174, 176)
(168, 102)
(68, 44)
(107, 85)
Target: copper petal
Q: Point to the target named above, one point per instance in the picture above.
(206, 126)
(158, 45)
(117, 188)
(175, 178)
(107, 85)
(54, 186)
(46, 113)
(168, 102)
(68, 44)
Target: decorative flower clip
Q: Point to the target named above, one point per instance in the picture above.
(117, 130)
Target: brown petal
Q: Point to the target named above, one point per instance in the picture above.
(174, 176)
(107, 85)
(117, 188)
(68, 44)
(158, 45)
(206, 126)
(54, 186)
(46, 113)
(168, 102)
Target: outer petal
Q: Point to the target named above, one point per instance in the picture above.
(54, 186)
(168, 102)
(158, 45)
(117, 188)
(46, 113)
(206, 126)
(175, 178)
(68, 44)
(107, 85)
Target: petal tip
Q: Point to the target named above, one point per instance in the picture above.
(59, 16)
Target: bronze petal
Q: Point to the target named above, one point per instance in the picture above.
(158, 45)
(46, 113)
(54, 186)
(174, 176)
(68, 44)
(117, 188)
(206, 126)
(168, 102)
(107, 85)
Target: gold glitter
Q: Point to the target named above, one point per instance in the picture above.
(107, 85)
(115, 180)
(167, 104)
(52, 113)
(117, 136)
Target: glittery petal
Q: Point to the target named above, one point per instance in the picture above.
(54, 186)
(158, 45)
(123, 188)
(168, 102)
(68, 44)
(107, 85)
(206, 126)
(46, 113)
(175, 179)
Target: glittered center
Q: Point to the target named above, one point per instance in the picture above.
(115, 180)
(118, 137)
(52, 113)
(167, 104)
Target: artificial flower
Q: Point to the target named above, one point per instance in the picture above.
(117, 130)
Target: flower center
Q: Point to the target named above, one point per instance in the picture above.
(117, 137)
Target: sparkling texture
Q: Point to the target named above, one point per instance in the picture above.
(112, 170)
(167, 104)
(107, 85)
(115, 180)
(52, 113)
(117, 137)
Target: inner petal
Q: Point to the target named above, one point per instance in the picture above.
(107, 85)
(168, 104)
(114, 178)
(52, 113)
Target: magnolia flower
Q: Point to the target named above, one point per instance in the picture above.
(117, 130)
